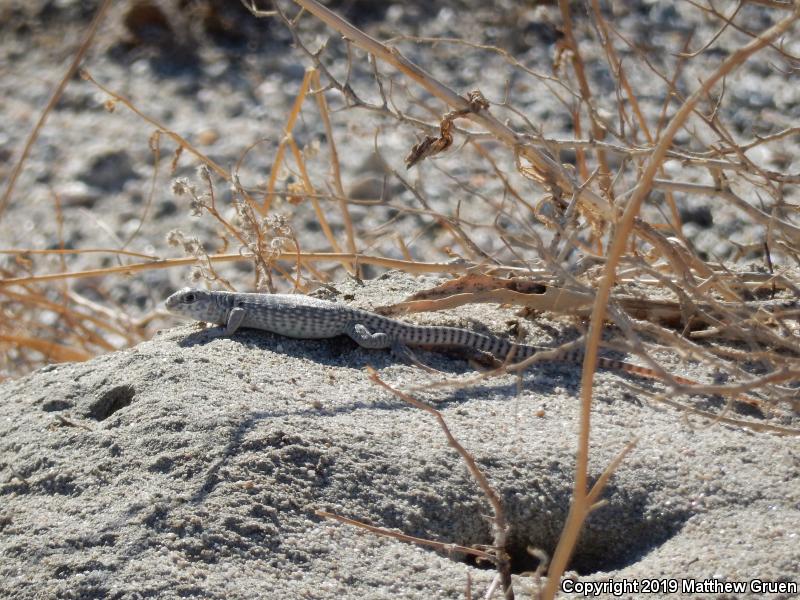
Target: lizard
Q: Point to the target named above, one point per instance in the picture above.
(305, 317)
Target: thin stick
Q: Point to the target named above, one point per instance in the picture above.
(382, 531)
(616, 66)
(48, 251)
(719, 418)
(312, 195)
(586, 94)
(287, 131)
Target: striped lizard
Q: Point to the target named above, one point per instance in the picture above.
(304, 317)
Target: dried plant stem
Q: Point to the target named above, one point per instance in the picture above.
(616, 67)
(759, 216)
(52, 350)
(721, 418)
(287, 132)
(579, 508)
(303, 257)
(336, 171)
(50, 251)
(553, 172)
(443, 546)
(103, 324)
(586, 94)
(549, 172)
(308, 187)
(312, 195)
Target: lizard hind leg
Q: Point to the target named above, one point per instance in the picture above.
(362, 336)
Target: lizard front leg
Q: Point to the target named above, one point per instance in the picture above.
(235, 318)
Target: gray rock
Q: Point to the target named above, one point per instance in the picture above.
(109, 171)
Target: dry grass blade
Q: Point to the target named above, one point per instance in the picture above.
(302, 257)
(336, 170)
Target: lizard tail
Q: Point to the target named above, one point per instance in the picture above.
(648, 373)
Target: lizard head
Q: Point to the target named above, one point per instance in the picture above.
(195, 304)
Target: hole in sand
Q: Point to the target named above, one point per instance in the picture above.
(111, 401)
(614, 536)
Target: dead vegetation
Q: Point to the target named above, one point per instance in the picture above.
(587, 227)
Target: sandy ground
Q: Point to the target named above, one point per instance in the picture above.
(191, 467)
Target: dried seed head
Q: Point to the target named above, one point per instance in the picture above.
(181, 187)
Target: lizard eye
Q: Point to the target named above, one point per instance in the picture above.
(190, 297)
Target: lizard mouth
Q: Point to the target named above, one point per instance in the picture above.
(172, 301)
